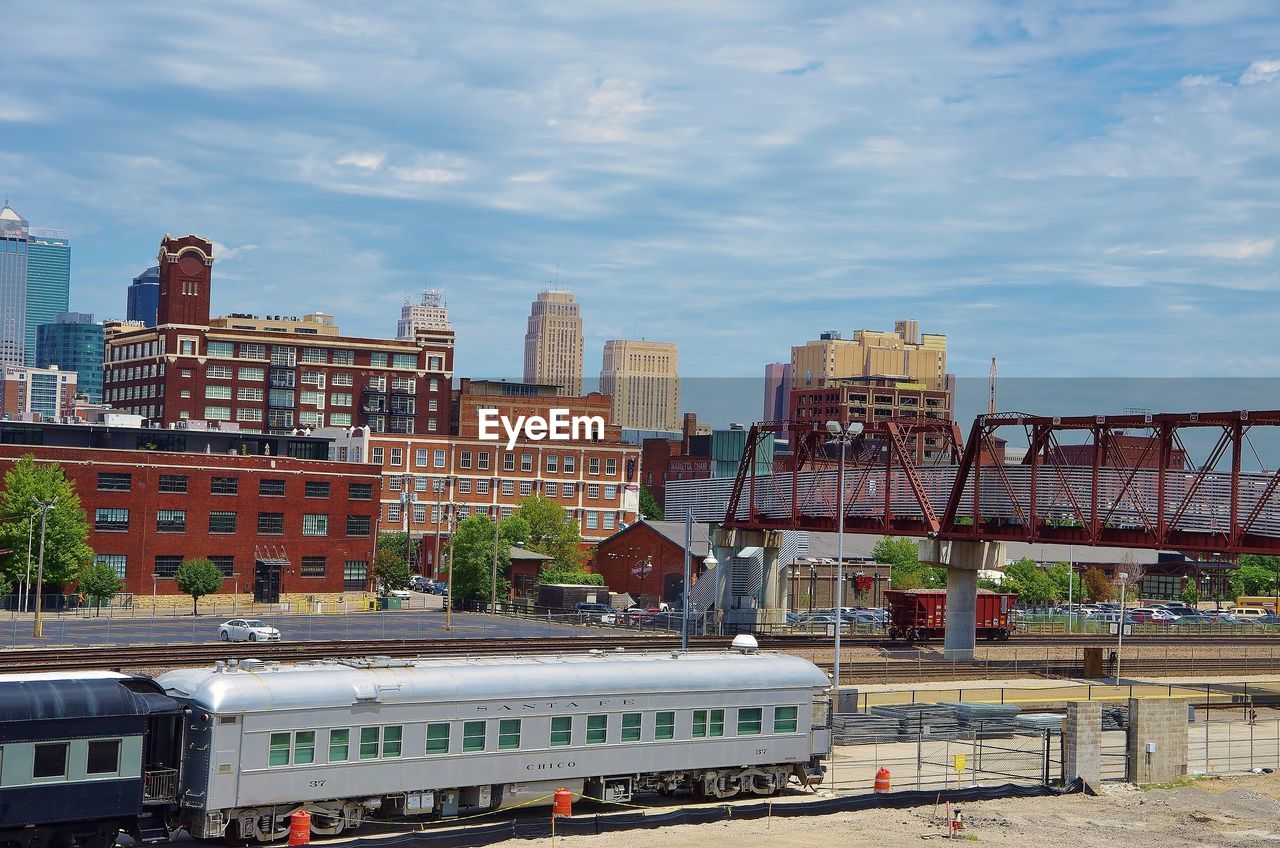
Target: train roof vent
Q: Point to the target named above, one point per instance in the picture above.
(746, 643)
(250, 664)
(374, 662)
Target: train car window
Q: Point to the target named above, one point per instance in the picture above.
(664, 726)
(339, 745)
(304, 747)
(369, 743)
(50, 761)
(630, 727)
(391, 739)
(226, 719)
(561, 731)
(103, 757)
(749, 719)
(280, 750)
(597, 729)
(715, 725)
(508, 734)
(438, 738)
(699, 724)
(784, 719)
(473, 735)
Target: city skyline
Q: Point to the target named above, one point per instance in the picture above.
(1033, 180)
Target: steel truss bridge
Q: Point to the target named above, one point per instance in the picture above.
(1140, 491)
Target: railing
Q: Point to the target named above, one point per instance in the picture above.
(159, 785)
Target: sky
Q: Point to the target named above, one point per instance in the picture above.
(1081, 189)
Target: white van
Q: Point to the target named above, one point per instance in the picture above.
(1248, 612)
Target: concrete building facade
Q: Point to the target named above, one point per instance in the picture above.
(905, 352)
(431, 314)
(553, 342)
(45, 394)
(643, 380)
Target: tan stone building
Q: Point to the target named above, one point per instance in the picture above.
(553, 343)
(905, 352)
(643, 378)
(311, 324)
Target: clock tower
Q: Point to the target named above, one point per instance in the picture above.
(186, 270)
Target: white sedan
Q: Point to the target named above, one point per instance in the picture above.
(247, 630)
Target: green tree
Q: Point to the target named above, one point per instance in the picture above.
(550, 530)
(1032, 585)
(552, 574)
(471, 556)
(197, 578)
(1253, 576)
(907, 571)
(99, 581)
(66, 548)
(396, 542)
(649, 505)
(390, 569)
(1097, 587)
(1062, 576)
(1190, 594)
(896, 551)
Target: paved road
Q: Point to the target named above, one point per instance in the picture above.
(15, 631)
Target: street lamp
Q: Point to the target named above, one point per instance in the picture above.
(1124, 579)
(37, 630)
(844, 435)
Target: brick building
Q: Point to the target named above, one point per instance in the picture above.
(646, 560)
(1122, 452)
(44, 393)
(430, 483)
(258, 376)
(869, 399)
(156, 497)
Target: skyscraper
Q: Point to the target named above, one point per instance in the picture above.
(777, 386)
(553, 343)
(73, 342)
(643, 379)
(144, 297)
(14, 233)
(48, 283)
(431, 314)
(905, 352)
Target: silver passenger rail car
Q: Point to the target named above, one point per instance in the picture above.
(352, 739)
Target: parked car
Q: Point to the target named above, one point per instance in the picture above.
(1222, 617)
(402, 594)
(1269, 618)
(600, 613)
(420, 583)
(247, 630)
(1248, 612)
(438, 588)
(1102, 616)
(671, 621)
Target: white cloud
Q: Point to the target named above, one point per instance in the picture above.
(222, 253)
(1263, 70)
(368, 161)
(1239, 249)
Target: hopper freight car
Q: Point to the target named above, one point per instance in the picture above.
(920, 614)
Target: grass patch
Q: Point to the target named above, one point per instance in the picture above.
(1177, 784)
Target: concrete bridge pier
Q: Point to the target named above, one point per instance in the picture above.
(963, 560)
(759, 609)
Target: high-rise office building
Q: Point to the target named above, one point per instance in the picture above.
(643, 379)
(48, 283)
(431, 314)
(872, 353)
(144, 297)
(73, 342)
(46, 392)
(553, 343)
(777, 386)
(14, 233)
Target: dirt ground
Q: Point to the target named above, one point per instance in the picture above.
(1238, 810)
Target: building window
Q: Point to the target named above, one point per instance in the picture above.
(355, 575)
(611, 492)
(784, 719)
(316, 489)
(171, 521)
(217, 413)
(111, 520)
(482, 460)
(315, 525)
(360, 491)
(174, 484)
(437, 459)
(393, 512)
(340, 380)
(438, 738)
(313, 567)
(256, 375)
(508, 487)
(593, 491)
(464, 460)
(664, 726)
(391, 740)
(378, 360)
(114, 482)
(340, 399)
(397, 457)
(420, 513)
(482, 487)
(245, 413)
(271, 523)
(253, 351)
(597, 729)
(631, 727)
(224, 486)
(226, 565)
(593, 466)
(607, 520)
(567, 489)
(314, 355)
(222, 522)
(285, 356)
(473, 733)
(376, 455)
(526, 462)
(360, 525)
(271, 488)
(593, 520)
(749, 721)
(508, 462)
(553, 463)
(339, 419)
(570, 464)
(118, 562)
(167, 566)
(610, 467)
(561, 731)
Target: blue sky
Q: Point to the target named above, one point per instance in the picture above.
(1081, 189)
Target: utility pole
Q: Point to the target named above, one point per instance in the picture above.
(493, 577)
(26, 584)
(843, 436)
(37, 630)
(448, 583)
(688, 541)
